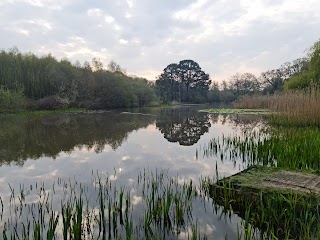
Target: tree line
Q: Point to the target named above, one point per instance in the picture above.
(247, 84)
(297, 74)
(31, 82)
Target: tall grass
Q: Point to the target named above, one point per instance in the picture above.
(291, 148)
(107, 212)
(278, 215)
(294, 108)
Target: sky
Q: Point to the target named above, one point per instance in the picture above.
(144, 36)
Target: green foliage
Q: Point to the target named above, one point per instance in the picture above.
(300, 81)
(11, 101)
(310, 74)
(183, 82)
(51, 84)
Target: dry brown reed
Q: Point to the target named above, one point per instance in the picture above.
(295, 108)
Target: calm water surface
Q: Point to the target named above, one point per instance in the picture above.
(120, 145)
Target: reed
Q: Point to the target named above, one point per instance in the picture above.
(293, 108)
(278, 215)
(167, 207)
(165, 212)
(293, 148)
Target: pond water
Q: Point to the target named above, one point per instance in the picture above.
(120, 145)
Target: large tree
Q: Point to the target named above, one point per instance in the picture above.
(184, 82)
(167, 83)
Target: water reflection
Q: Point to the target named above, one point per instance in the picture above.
(25, 137)
(127, 144)
(242, 121)
(185, 127)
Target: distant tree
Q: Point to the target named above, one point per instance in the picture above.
(45, 83)
(183, 81)
(244, 84)
(309, 70)
(115, 67)
(97, 64)
(214, 93)
(168, 83)
(272, 81)
(193, 77)
(86, 65)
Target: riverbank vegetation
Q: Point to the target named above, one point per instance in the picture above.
(289, 143)
(281, 213)
(157, 206)
(29, 82)
(44, 83)
(298, 74)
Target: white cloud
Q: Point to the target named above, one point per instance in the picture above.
(123, 41)
(21, 31)
(42, 23)
(223, 36)
(37, 3)
(130, 3)
(109, 19)
(95, 12)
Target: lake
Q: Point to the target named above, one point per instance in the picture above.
(120, 145)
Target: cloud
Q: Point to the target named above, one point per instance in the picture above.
(223, 36)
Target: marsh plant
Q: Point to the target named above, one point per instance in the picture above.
(293, 148)
(278, 215)
(292, 108)
(159, 207)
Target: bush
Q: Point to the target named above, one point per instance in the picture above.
(11, 101)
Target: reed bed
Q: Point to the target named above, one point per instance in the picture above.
(278, 215)
(292, 148)
(161, 209)
(291, 108)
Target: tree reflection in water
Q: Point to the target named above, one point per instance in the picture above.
(183, 125)
(29, 137)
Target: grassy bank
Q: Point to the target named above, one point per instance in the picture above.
(236, 111)
(283, 213)
(50, 112)
(278, 214)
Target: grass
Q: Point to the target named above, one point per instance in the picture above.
(106, 213)
(50, 112)
(165, 212)
(283, 214)
(291, 148)
(299, 108)
(278, 215)
(236, 111)
(47, 112)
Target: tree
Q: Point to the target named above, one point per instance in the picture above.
(272, 81)
(243, 84)
(185, 81)
(97, 64)
(214, 93)
(193, 77)
(309, 70)
(168, 83)
(115, 67)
